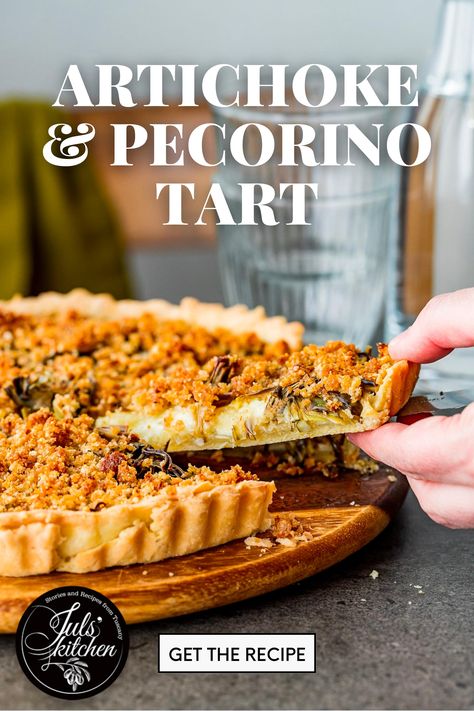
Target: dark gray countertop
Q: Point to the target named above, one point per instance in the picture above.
(374, 648)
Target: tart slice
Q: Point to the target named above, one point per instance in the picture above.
(73, 500)
(190, 377)
(240, 401)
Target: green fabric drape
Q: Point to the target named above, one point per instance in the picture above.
(57, 227)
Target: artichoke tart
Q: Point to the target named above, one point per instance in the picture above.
(97, 395)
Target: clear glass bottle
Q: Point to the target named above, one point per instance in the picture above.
(434, 252)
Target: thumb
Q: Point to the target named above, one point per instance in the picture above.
(446, 322)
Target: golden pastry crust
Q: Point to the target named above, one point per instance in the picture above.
(403, 380)
(175, 522)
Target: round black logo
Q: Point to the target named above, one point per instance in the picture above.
(72, 642)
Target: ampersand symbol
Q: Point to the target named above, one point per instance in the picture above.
(73, 150)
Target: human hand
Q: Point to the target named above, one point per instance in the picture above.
(436, 453)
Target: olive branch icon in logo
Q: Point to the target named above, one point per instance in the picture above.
(75, 671)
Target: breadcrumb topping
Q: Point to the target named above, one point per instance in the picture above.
(59, 373)
(94, 366)
(75, 364)
(46, 463)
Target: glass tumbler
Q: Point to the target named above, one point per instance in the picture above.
(331, 273)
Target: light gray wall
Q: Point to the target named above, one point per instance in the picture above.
(40, 38)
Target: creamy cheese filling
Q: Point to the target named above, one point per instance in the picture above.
(246, 422)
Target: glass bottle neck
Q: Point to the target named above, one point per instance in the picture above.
(451, 72)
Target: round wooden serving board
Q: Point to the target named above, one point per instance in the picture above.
(342, 515)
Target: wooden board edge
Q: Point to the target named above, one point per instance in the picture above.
(260, 577)
(215, 589)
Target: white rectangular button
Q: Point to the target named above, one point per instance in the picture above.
(237, 653)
